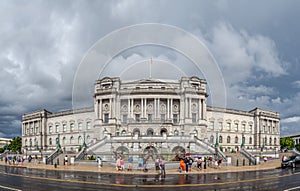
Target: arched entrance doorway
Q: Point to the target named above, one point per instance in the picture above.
(150, 152)
(179, 152)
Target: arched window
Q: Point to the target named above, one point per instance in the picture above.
(26, 142)
(176, 133)
(211, 139)
(80, 140)
(275, 141)
(50, 141)
(64, 140)
(228, 139)
(250, 140)
(236, 140)
(150, 132)
(220, 139)
(123, 133)
(265, 140)
(270, 141)
(195, 133)
(88, 139)
(72, 140)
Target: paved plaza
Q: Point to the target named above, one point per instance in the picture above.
(110, 169)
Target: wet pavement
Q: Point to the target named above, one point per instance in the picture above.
(45, 177)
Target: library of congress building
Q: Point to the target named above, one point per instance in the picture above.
(163, 116)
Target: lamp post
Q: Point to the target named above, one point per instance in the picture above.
(243, 141)
(217, 140)
(84, 143)
(58, 142)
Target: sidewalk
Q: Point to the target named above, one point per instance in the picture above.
(110, 169)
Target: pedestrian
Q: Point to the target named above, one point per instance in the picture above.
(265, 159)
(122, 164)
(130, 161)
(118, 164)
(35, 159)
(140, 163)
(66, 160)
(186, 161)
(199, 163)
(162, 164)
(204, 162)
(220, 162)
(216, 163)
(181, 165)
(99, 161)
(29, 158)
(157, 164)
(190, 163)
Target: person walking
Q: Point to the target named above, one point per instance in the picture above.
(162, 164)
(99, 162)
(130, 161)
(199, 163)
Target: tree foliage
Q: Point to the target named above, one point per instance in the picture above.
(287, 143)
(298, 146)
(15, 144)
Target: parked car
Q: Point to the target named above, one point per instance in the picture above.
(291, 162)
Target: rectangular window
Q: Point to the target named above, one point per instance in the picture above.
(79, 126)
(228, 126)
(220, 126)
(106, 117)
(236, 126)
(150, 118)
(243, 127)
(211, 124)
(163, 117)
(124, 118)
(137, 118)
(175, 118)
(88, 125)
(64, 127)
(56, 128)
(72, 126)
(194, 118)
(50, 129)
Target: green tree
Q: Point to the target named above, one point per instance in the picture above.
(298, 146)
(15, 144)
(287, 142)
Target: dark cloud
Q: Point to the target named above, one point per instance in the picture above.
(42, 43)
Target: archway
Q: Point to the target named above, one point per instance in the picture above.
(163, 131)
(179, 152)
(136, 131)
(121, 151)
(150, 132)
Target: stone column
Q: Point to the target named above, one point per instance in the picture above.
(190, 107)
(131, 110)
(142, 108)
(168, 109)
(171, 109)
(100, 109)
(158, 107)
(128, 108)
(186, 107)
(155, 113)
(145, 108)
(199, 109)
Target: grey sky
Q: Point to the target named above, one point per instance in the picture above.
(255, 43)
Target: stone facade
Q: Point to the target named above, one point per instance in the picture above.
(165, 116)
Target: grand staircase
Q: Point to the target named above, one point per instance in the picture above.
(239, 159)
